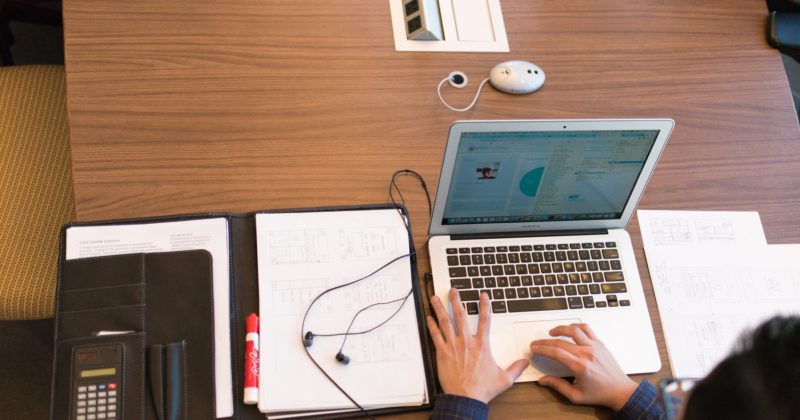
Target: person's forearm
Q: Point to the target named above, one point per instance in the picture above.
(456, 407)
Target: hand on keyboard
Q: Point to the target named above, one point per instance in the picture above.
(464, 361)
(598, 378)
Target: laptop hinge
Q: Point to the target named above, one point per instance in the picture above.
(538, 233)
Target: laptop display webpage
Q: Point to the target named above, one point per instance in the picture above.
(508, 177)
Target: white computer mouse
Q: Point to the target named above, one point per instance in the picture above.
(516, 77)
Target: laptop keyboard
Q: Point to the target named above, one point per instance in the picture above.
(528, 278)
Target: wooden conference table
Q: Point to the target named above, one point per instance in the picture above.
(241, 105)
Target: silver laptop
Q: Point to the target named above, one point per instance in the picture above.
(534, 213)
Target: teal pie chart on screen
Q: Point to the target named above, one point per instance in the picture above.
(529, 184)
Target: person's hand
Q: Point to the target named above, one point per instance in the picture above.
(464, 361)
(598, 378)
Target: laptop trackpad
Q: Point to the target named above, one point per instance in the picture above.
(524, 333)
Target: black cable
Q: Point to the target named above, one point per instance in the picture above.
(392, 187)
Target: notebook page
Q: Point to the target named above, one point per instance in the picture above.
(299, 256)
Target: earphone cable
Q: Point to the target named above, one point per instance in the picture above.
(471, 104)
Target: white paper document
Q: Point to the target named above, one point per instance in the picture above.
(668, 228)
(299, 256)
(208, 234)
(709, 296)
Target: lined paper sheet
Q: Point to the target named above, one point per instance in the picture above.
(299, 256)
(208, 234)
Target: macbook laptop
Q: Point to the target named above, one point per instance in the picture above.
(534, 214)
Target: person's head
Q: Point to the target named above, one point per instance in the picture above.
(759, 380)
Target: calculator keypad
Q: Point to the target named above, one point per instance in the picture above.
(97, 402)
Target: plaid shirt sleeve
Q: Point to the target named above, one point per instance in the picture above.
(642, 405)
(456, 407)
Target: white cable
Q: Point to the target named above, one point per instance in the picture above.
(475, 99)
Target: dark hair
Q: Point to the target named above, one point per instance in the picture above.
(760, 380)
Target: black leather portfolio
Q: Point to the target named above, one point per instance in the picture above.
(135, 332)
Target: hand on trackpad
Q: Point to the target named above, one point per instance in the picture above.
(524, 333)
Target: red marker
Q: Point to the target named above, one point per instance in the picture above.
(251, 361)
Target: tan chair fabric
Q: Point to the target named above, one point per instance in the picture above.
(35, 187)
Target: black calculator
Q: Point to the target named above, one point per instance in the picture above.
(97, 382)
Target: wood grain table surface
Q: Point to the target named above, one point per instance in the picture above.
(241, 105)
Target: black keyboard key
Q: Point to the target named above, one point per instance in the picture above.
(488, 293)
(611, 244)
(488, 259)
(616, 265)
(586, 245)
(514, 281)
(528, 305)
(604, 265)
(537, 257)
(477, 283)
(558, 290)
(610, 254)
(513, 258)
(472, 271)
(497, 270)
(511, 293)
(588, 302)
(485, 270)
(509, 270)
(599, 245)
(584, 255)
(562, 279)
(522, 293)
(469, 295)
(458, 272)
(514, 248)
(533, 269)
(572, 255)
(463, 250)
(501, 258)
(527, 281)
(502, 249)
(477, 250)
(545, 268)
(557, 267)
(538, 247)
(488, 249)
(583, 289)
(614, 276)
(580, 266)
(538, 280)
(574, 246)
(490, 282)
(571, 290)
(569, 267)
(550, 279)
(575, 303)
(563, 246)
(472, 308)
(465, 259)
(600, 304)
(452, 260)
(586, 278)
(594, 289)
(592, 266)
(477, 259)
(550, 247)
(460, 283)
(596, 254)
(498, 294)
(499, 307)
(597, 277)
(561, 256)
(451, 251)
(527, 248)
(502, 281)
(547, 291)
(574, 278)
(525, 257)
(614, 288)
(549, 256)
(534, 292)
(624, 302)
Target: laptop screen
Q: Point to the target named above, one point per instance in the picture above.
(542, 176)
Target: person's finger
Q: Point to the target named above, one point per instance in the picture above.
(459, 314)
(445, 325)
(484, 318)
(588, 331)
(558, 354)
(557, 342)
(562, 387)
(572, 331)
(516, 369)
(436, 334)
